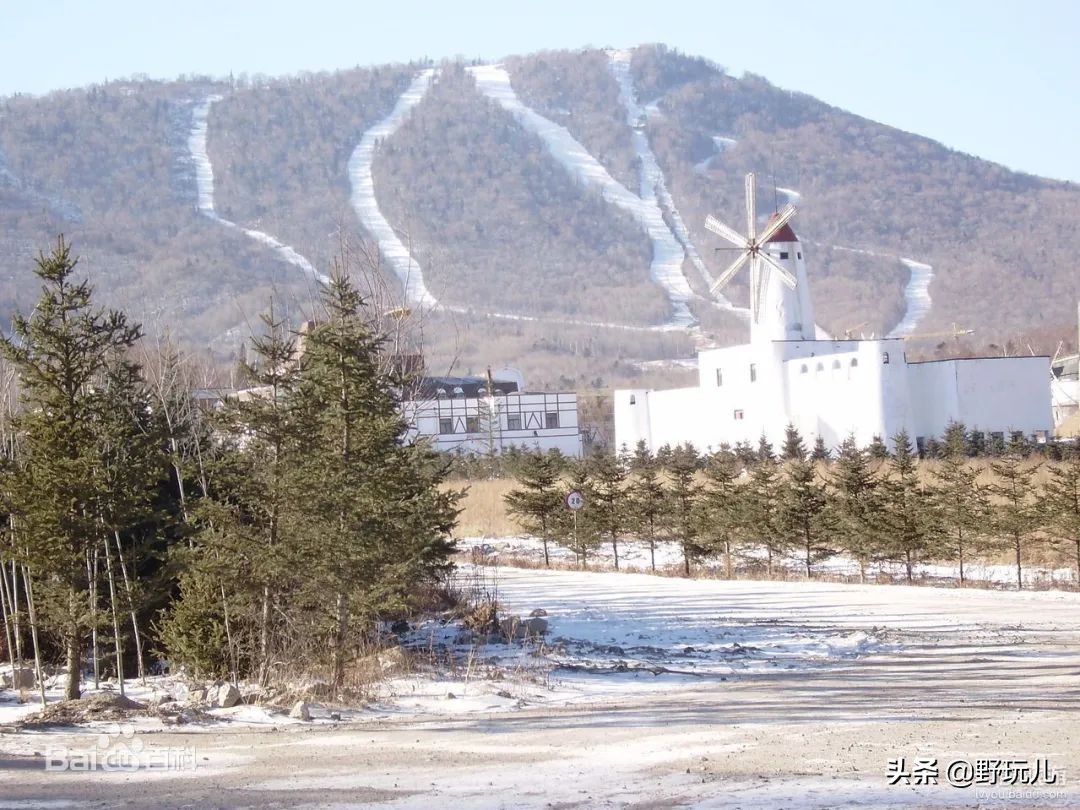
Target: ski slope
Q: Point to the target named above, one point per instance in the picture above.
(668, 255)
(720, 143)
(365, 204)
(917, 295)
(204, 184)
(652, 185)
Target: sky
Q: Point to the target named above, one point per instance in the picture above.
(999, 79)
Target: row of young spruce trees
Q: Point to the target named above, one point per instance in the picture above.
(868, 503)
(256, 540)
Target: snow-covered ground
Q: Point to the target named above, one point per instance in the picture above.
(783, 694)
(668, 255)
(634, 555)
(204, 183)
(917, 295)
(405, 267)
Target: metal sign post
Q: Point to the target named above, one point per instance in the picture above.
(574, 501)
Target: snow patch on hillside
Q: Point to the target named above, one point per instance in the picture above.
(653, 186)
(917, 295)
(666, 268)
(721, 143)
(363, 199)
(204, 183)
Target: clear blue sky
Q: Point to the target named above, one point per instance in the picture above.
(999, 78)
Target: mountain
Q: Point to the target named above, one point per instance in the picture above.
(546, 212)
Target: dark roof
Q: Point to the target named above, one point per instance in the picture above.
(470, 387)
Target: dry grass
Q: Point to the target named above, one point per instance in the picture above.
(483, 511)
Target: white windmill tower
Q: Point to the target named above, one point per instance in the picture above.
(779, 292)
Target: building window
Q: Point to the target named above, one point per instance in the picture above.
(783, 254)
(446, 425)
(472, 424)
(738, 415)
(753, 372)
(836, 363)
(803, 369)
(885, 358)
(459, 391)
(719, 378)
(513, 420)
(854, 362)
(820, 367)
(441, 393)
(551, 419)
(798, 254)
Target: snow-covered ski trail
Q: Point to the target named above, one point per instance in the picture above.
(666, 267)
(721, 143)
(204, 184)
(917, 295)
(653, 188)
(916, 291)
(363, 200)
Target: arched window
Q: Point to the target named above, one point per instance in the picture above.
(854, 362)
(836, 363)
(803, 369)
(459, 391)
(441, 393)
(885, 358)
(633, 400)
(820, 367)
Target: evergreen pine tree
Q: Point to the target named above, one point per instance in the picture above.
(373, 522)
(910, 529)
(59, 353)
(682, 468)
(801, 515)
(538, 498)
(959, 502)
(820, 453)
(721, 506)
(608, 503)
(1015, 514)
(1062, 504)
(853, 509)
(878, 450)
(647, 500)
(760, 516)
(794, 448)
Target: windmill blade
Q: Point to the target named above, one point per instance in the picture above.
(781, 219)
(719, 228)
(763, 283)
(728, 274)
(755, 288)
(751, 207)
(785, 276)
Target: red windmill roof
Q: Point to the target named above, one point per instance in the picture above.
(785, 234)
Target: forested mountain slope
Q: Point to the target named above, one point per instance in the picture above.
(538, 253)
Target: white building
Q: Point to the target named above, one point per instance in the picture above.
(1065, 395)
(827, 388)
(467, 415)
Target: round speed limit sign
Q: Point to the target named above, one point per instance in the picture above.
(574, 500)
